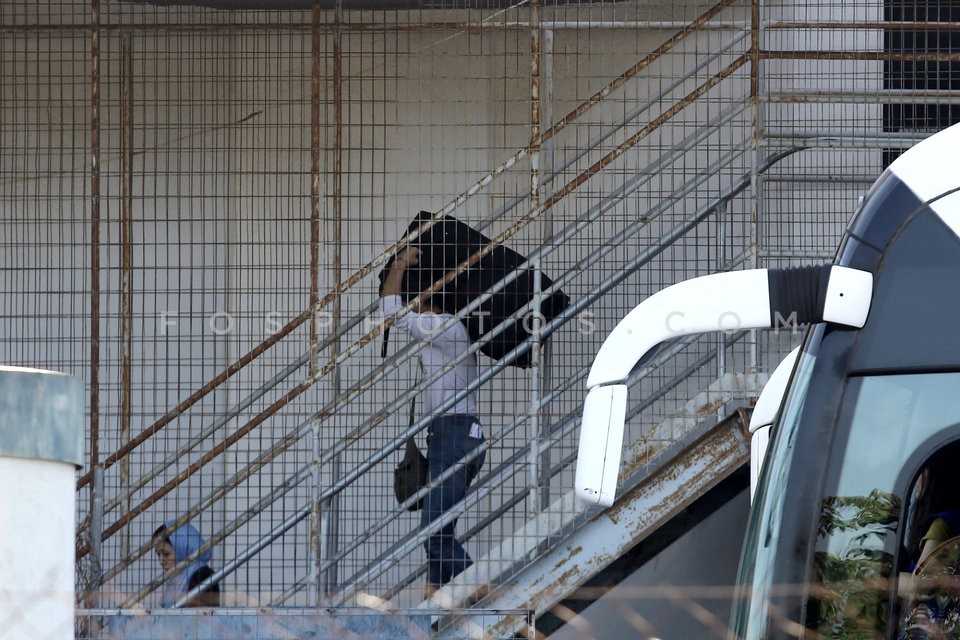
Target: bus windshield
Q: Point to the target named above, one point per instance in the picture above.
(887, 427)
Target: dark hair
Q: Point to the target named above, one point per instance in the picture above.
(940, 493)
(160, 530)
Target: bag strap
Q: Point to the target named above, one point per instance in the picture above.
(413, 412)
(413, 403)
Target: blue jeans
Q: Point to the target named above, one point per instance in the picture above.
(448, 440)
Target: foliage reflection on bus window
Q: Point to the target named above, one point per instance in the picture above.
(858, 531)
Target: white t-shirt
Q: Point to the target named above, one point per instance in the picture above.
(441, 348)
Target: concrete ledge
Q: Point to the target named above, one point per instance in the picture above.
(246, 624)
(41, 415)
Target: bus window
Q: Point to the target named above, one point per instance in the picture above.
(884, 425)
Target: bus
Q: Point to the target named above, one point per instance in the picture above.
(864, 439)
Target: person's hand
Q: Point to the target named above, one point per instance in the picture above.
(409, 257)
(393, 284)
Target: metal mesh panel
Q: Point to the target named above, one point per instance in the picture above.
(196, 203)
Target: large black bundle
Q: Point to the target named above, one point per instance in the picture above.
(450, 242)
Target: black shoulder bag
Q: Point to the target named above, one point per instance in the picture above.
(411, 474)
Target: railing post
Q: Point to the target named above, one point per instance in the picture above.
(325, 525)
(536, 490)
(547, 169)
(720, 212)
(95, 234)
(126, 272)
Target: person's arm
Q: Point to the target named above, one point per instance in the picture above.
(419, 323)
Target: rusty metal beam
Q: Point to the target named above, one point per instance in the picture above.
(126, 263)
(300, 26)
(866, 56)
(456, 25)
(94, 238)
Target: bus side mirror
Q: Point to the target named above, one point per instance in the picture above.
(598, 461)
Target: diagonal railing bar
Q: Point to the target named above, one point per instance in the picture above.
(204, 434)
(383, 257)
(195, 397)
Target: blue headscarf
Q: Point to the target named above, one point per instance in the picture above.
(185, 541)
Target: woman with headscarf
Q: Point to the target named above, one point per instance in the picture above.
(172, 549)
